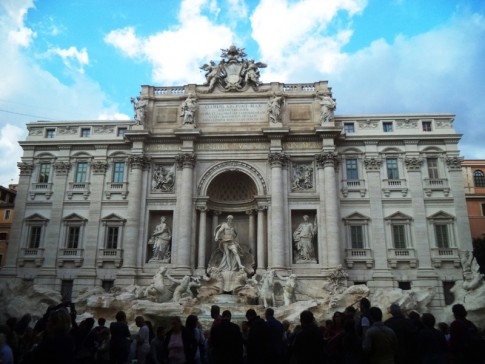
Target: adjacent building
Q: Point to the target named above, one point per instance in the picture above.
(383, 194)
(7, 203)
(474, 173)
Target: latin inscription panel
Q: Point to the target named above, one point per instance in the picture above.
(233, 113)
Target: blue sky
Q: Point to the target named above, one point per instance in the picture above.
(84, 59)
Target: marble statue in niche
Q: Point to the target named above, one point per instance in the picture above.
(161, 241)
(163, 178)
(304, 237)
(302, 177)
(226, 236)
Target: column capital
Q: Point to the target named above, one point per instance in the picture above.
(277, 159)
(413, 164)
(138, 161)
(62, 168)
(216, 212)
(454, 163)
(99, 167)
(202, 208)
(186, 160)
(372, 164)
(25, 168)
(327, 159)
(249, 212)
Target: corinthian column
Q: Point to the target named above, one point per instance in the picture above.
(137, 164)
(202, 236)
(328, 161)
(278, 245)
(187, 160)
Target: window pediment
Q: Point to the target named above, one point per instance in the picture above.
(36, 218)
(73, 218)
(398, 216)
(356, 217)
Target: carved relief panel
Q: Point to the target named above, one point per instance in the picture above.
(163, 178)
(302, 177)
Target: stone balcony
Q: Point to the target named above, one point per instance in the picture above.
(116, 188)
(394, 185)
(397, 256)
(436, 184)
(40, 188)
(443, 255)
(35, 255)
(359, 256)
(114, 256)
(70, 255)
(354, 185)
(81, 188)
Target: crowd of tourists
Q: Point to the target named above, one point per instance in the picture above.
(350, 337)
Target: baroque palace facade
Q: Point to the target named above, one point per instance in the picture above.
(308, 191)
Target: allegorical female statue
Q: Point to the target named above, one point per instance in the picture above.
(161, 241)
(303, 237)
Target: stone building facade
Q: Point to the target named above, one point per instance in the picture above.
(7, 203)
(474, 173)
(382, 195)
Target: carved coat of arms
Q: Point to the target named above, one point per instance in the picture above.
(234, 72)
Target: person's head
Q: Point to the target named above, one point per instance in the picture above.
(120, 316)
(215, 311)
(191, 322)
(413, 315)
(139, 321)
(459, 311)
(251, 314)
(226, 315)
(163, 219)
(350, 311)
(307, 318)
(286, 324)
(101, 321)
(269, 313)
(337, 318)
(375, 314)
(364, 305)
(176, 323)
(428, 320)
(395, 309)
(444, 328)
(59, 321)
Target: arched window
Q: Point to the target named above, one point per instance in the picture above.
(479, 179)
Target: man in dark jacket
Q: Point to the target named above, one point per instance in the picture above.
(227, 343)
(276, 333)
(406, 333)
(308, 343)
(257, 343)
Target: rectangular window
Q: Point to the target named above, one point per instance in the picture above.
(121, 132)
(405, 286)
(44, 172)
(349, 128)
(426, 125)
(85, 132)
(73, 237)
(1, 259)
(119, 172)
(432, 168)
(50, 133)
(449, 296)
(442, 238)
(351, 168)
(81, 172)
(483, 209)
(35, 234)
(7, 214)
(3, 236)
(357, 236)
(392, 170)
(107, 285)
(66, 290)
(112, 237)
(387, 127)
(399, 236)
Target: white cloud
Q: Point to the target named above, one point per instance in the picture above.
(11, 153)
(72, 57)
(177, 54)
(13, 21)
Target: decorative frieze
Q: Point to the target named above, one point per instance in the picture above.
(407, 124)
(277, 159)
(25, 168)
(62, 168)
(66, 130)
(368, 124)
(186, 160)
(327, 159)
(35, 131)
(442, 124)
(413, 164)
(104, 129)
(372, 164)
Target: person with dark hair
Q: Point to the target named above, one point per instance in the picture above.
(364, 321)
(307, 344)
(432, 344)
(406, 333)
(119, 346)
(258, 339)
(466, 344)
(334, 339)
(380, 342)
(191, 323)
(180, 345)
(276, 335)
(141, 341)
(227, 341)
(157, 354)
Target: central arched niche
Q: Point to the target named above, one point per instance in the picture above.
(232, 191)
